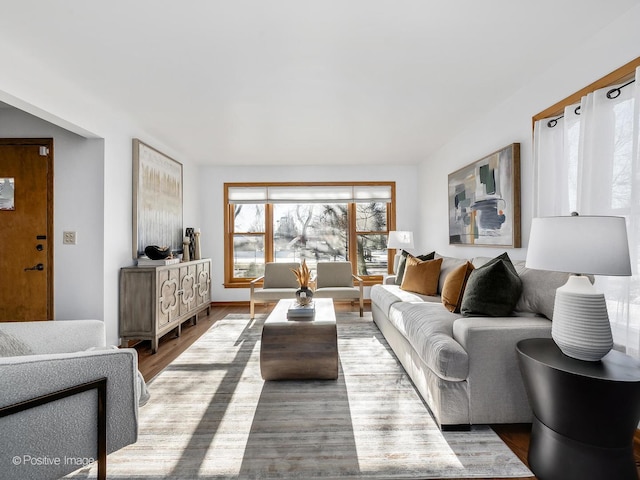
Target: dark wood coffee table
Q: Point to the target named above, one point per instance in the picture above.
(300, 349)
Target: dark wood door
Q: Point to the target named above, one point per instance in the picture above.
(26, 228)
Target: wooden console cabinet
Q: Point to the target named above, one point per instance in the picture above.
(157, 299)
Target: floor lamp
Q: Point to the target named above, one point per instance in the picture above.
(580, 245)
(399, 240)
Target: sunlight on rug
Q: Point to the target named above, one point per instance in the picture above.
(211, 416)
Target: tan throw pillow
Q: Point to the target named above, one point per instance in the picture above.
(421, 276)
(453, 287)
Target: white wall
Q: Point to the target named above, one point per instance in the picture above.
(510, 122)
(78, 206)
(26, 84)
(212, 181)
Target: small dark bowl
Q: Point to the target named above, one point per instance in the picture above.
(157, 253)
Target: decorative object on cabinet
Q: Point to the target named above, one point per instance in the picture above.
(156, 300)
(157, 199)
(155, 252)
(186, 249)
(197, 255)
(143, 261)
(579, 245)
(484, 201)
(190, 232)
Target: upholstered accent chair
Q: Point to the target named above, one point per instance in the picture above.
(278, 282)
(336, 280)
(67, 369)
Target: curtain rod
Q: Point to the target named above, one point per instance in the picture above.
(553, 122)
(611, 94)
(618, 90)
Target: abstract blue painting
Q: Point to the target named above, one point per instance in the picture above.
(484, 201)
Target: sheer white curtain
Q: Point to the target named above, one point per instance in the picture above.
(556, 159)
(590, 162)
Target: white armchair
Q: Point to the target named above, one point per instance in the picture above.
(56, 438)
(336, 280)
(278, 282)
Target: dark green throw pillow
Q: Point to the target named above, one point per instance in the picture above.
(403, 263)
(492, 289)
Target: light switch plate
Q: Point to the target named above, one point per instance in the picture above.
(69, 238)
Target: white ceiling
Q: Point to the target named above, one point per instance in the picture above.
(296, 81)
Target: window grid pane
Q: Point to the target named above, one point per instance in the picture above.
(313, 232)
(371, 217)
(248, 218)
(372, 254)
(248, 256)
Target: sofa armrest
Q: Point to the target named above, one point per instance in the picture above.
(496, 390)
(389, 280)
(58, 336)
(65, 428)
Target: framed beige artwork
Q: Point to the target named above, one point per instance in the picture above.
(157, 199)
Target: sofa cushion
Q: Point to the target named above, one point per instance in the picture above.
(448, 265)
(492, 289)
(421, 276)
(383, 296)
(454, 286)
(539, 290)
(267, 294)
(428, 326)
(403, 263)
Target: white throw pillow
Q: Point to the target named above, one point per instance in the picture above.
(142, 391)
(11, 346)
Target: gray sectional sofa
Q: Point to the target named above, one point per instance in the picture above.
(466, 368)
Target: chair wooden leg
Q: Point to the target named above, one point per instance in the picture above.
(251, 309)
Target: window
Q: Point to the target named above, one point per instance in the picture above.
(586, 156)
(313, 221)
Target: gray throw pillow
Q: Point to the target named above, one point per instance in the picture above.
(11, 346)
(402, 264)
(492, 289)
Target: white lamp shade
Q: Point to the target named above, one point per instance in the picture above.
(400, 239)
(595, 245)
(580, 245)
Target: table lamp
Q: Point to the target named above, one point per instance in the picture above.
(580, 245)
(399, 240)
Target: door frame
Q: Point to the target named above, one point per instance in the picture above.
(44, 142)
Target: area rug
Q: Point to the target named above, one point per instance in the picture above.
(211, 416)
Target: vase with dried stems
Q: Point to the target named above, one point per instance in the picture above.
(304, 295)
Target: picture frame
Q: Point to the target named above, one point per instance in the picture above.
(157, 199)
(484, 201)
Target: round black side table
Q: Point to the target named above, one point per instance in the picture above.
(585, 413)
